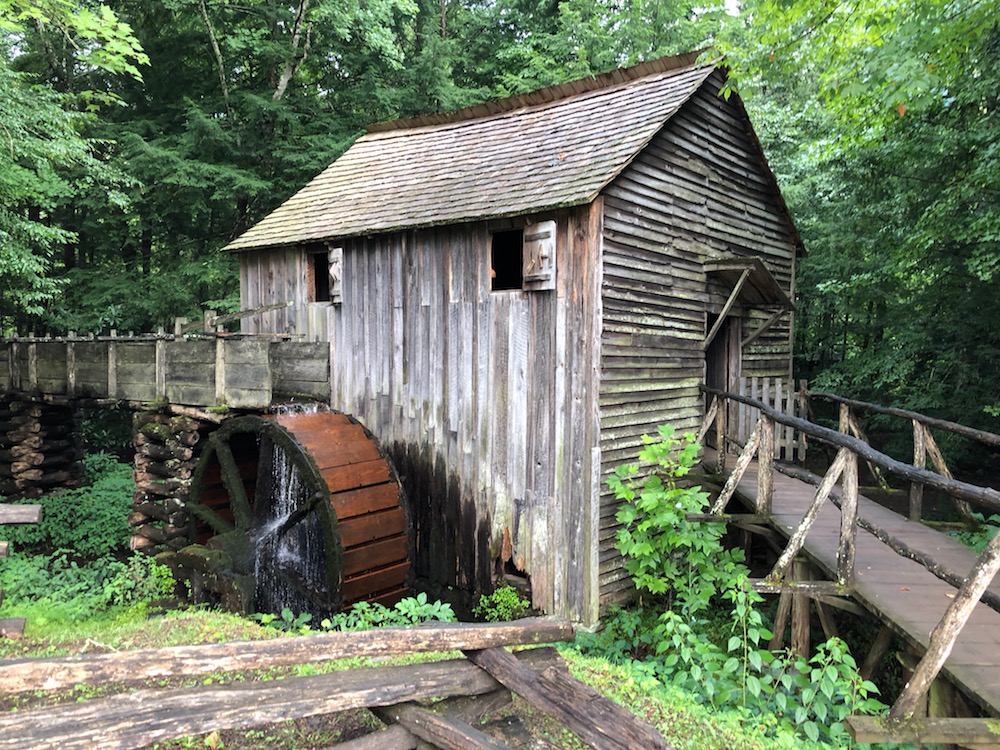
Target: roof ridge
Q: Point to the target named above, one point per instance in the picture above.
(546, 95)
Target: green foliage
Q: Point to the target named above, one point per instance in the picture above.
(688, 571)
(91, 520)
(503, 604)
(60, 588)
(978, 538)
(411, 610)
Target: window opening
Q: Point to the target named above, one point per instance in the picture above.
(507, 260)
(321, 277)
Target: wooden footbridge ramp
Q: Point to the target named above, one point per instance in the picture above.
(923, 585)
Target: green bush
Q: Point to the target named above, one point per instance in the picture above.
(503, 605)
(60, 588)
(688, 572)
(411, 610)
(91, 520)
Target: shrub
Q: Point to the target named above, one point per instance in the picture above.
(504, 604)
(687, 570)
(91, 520)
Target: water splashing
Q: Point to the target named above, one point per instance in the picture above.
(288, 560)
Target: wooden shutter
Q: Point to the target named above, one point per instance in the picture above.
(540, 256)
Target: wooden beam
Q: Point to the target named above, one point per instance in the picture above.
(725, 309)
(599, 722)
(185, 661)
(876, 653)
(140, 718)
(441, 731)
(808, 588)
(965, 732)
(764, 327)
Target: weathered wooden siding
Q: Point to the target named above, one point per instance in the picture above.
(697, 190)
(283, 275)
(486, 402)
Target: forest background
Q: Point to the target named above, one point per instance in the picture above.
(137, 137)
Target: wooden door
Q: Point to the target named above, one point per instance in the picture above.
(723, 363)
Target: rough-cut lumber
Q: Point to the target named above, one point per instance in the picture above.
(51, 674)
(140, 718)
(599, 722)
(20, 513)
(443, 732)
(965, 732)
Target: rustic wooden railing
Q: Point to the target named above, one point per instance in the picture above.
(12, 627)
(140, 717)
(759, 445)
(924, 445)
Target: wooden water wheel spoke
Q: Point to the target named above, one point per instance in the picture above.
(233, 483)
(302, 518)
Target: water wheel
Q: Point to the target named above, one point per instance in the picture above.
(298, 510)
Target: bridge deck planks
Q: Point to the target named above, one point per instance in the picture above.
(897, 590)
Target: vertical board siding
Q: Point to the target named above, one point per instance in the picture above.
(697, 190)
(485, 401)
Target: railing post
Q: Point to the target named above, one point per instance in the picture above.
(920, 462)
(848, 521)
(720, 435)
(765, 466)
(844, 423)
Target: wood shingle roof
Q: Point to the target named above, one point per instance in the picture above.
(554, 148)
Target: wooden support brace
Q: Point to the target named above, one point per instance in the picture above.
(937, 459)
(946, 632)
(798, 538)
(826, 620)
(706, 423)
(876, 653)
(745, 457)
(781, 620)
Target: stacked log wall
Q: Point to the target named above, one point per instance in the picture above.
(38, 448)
(167, 448)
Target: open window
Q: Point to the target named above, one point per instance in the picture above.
(524, 258)
(319, 275)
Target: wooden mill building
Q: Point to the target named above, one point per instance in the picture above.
(514, 293)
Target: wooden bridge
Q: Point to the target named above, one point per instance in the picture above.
(921, 584)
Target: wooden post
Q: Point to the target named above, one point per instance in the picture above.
(947, 631)
(848, 521)
(765, 466)
(844, 423)
(780, 620)
(800, 612)
(803, 396)
(720, 432)
(875, 654)
(920, 462)
(937, 460)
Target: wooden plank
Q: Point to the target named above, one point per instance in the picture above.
(4, 549)
(394, 737)
(441, 731)
(967, 732)
(599, 722)
(52, 674)
(140, 718)
(20, 513)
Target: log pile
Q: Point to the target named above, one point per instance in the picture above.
(166, 452)
(38, 450)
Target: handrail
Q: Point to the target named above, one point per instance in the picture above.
(954, 487)
(989, 438)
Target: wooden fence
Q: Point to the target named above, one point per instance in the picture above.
(759, 445)
(12, 627)
(140, 717)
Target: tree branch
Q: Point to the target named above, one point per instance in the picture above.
(218, 56)
(294, 59)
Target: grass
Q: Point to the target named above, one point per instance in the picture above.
(680, 717)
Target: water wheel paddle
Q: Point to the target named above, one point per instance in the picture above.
(299, 510)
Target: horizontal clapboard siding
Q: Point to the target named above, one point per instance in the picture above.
(697, 190)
